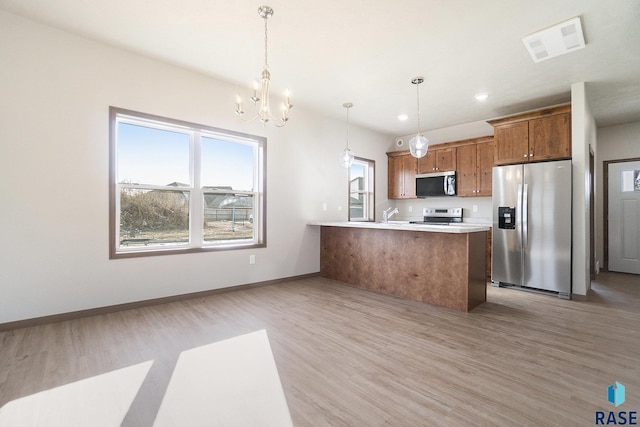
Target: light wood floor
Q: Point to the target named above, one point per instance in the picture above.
(349, 357)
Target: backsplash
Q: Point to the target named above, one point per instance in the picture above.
(411, 210)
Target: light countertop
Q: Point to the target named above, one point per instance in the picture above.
(405, 225)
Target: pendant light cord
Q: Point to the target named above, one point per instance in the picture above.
(347, 128)
(418, 103)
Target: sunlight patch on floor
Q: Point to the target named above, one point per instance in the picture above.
(229, 383)
(103, 400)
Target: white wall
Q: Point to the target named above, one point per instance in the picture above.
(614, 143)
(56, 89)
(583, 136)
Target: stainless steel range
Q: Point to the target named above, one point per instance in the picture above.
(440, 216)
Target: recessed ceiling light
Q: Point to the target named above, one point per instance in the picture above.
(402, 117)
(481, 96)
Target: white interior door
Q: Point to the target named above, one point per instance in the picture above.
(624, 217)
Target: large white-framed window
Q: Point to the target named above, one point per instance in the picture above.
(362, 190)
(178, 187)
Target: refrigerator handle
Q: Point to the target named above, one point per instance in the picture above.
(518, 216)
(525, 216)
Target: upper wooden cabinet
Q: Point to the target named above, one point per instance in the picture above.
(472, 159)
(486, 162)
(474, 168)
(401, 175)
(512, 143)
(438, 159)
(550, 137)
(535, 136)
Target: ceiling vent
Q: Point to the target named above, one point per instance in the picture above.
(554, 41)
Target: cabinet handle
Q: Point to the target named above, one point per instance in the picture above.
(526, 155)
(531, 155)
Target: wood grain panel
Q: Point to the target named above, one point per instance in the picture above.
(409, 166)
(438, 159)
(401, 178)
(512, 143)
(446, 159)
(395, 178)
(466, 179)
(530, 115)
(486, 154)
(437, 268)
(550, 137)
(427, 164)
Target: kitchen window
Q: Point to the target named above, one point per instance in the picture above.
(179, 187)
(361, 190)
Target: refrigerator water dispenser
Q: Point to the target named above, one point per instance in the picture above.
(507, 218)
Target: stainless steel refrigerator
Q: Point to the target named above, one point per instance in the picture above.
(531, 245)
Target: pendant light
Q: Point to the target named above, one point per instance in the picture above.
(419, 144)
(346, 156)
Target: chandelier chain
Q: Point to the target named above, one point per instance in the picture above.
(266, 63)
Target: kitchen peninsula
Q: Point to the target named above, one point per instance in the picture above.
(438, 264)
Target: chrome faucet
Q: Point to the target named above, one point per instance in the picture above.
(386, 214)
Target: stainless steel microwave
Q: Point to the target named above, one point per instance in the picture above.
(437, 184)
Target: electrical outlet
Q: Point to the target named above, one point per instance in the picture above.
(324, 206)
(252, 259)
(410, 209)
(475, 208)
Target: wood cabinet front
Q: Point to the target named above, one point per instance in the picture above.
(437, 160)
(466, 171)
(401, 176)
(550, 137)
(512, 143)
(474, 169)
(486, 162)
(535, 136)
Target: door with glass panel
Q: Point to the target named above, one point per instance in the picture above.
(624, 217)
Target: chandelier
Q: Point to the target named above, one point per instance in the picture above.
(346, 156)
(260, 95)
(419, 144)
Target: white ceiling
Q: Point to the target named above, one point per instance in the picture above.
(366, 52)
